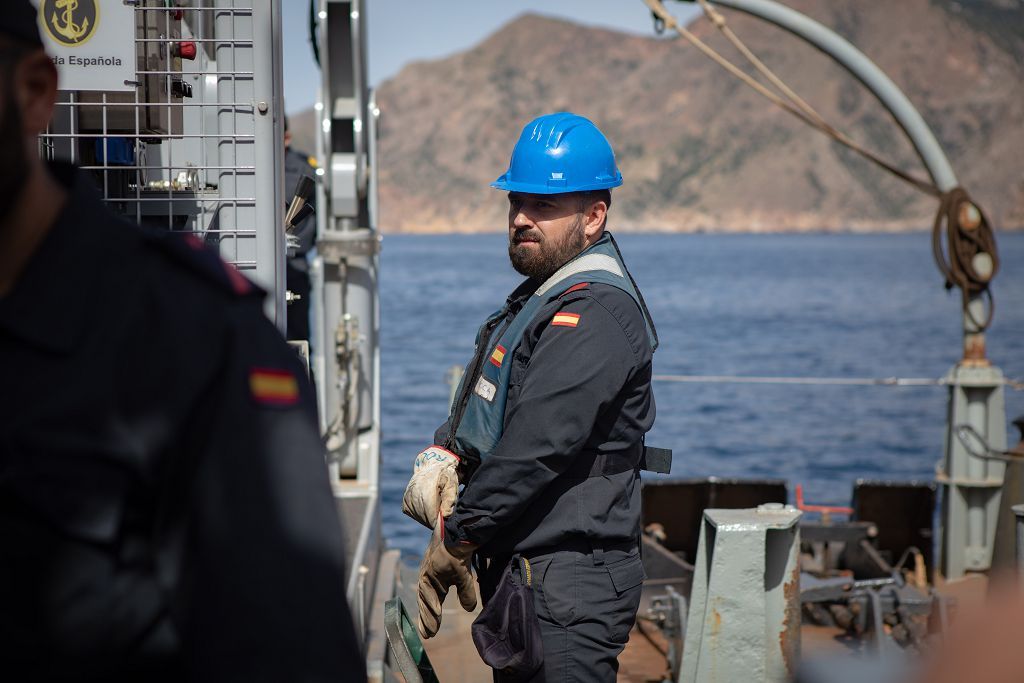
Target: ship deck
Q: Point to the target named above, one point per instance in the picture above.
(454, 657)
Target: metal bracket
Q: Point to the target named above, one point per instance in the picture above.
(975, 444)
(406, 646)
(668, 612)
(336, 246)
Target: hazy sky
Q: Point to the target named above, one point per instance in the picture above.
(401, 31)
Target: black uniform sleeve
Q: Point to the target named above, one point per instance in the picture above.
(574, 374)
(441, 433)
(263, 593)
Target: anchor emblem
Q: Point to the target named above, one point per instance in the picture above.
(69, 29)
(70, 22)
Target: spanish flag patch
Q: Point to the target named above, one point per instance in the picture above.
(498, 355)
(274, 387)
(566, 319)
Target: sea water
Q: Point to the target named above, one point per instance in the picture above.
(814, 305)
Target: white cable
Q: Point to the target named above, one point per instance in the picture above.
(826, 381)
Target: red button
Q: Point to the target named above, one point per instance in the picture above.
(187, 50)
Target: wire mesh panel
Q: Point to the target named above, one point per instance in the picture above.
(196, 145)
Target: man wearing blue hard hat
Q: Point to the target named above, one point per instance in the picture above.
(546, 431)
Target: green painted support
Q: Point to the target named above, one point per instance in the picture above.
(972, 486)
(406, 646)
(744, 617)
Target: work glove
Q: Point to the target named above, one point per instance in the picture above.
(443, 566)
(433, 488)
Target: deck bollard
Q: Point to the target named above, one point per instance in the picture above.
(744, 617)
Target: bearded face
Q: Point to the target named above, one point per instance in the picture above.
(544, 232)
(537, 255)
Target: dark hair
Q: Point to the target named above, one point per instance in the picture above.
(585, 198)
(18, 22)
(13, 50)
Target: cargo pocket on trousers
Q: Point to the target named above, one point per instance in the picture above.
(627, 578)
(627, 573)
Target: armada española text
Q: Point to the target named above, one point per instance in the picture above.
(87, 61)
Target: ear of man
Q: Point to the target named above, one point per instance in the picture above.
(593, 207)
(34, 86)
(595, 215)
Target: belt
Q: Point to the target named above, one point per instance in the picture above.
(489, 567)
(583, 546)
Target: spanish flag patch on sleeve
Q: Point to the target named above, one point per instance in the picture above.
(563, 319)
(498, 355)
(273, 387)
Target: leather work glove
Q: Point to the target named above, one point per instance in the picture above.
(433, 488)
(443, 566)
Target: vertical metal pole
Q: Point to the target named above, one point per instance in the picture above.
(268, 128)
(972, 486)
(347, 243)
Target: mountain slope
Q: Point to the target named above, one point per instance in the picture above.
(699, 150)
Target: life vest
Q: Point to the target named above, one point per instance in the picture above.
(477, 417)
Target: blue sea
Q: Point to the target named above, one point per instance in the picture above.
(777, 305)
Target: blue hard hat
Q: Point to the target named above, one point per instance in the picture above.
(560, 152)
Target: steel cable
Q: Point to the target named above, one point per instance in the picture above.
(797, 107)
(820, 381)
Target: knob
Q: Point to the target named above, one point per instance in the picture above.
(186, 50)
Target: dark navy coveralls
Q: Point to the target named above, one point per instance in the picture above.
(562, 487)
(164, 505)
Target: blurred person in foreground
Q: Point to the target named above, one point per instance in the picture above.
(164, 505)
(984, 643)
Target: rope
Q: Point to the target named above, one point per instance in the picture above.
(967, 235)
(819, 381)
(964, 241)
(797, 107)
(718, 20)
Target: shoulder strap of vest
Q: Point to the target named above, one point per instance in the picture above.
(585, 263)
(639, 295)
(608, 259)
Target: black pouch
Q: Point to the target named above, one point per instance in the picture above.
(506, 632)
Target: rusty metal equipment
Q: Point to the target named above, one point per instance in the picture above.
(744, 616)
(888, 610)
